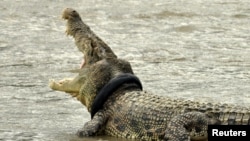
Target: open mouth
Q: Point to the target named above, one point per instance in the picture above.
(82, 63)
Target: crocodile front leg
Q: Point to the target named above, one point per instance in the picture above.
(186, 127)
(94, 126)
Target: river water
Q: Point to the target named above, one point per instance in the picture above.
(197, 50)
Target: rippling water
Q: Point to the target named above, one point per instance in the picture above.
(198, 51)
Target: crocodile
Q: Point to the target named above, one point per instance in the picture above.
(113, 95)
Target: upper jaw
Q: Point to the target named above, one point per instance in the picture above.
(65, 14)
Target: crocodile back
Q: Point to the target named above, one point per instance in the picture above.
(138, 114)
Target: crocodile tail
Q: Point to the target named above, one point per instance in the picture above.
(230, 116)
(234, 118)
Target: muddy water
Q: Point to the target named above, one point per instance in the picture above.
(198, 51)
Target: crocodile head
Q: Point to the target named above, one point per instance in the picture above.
(99, 66)
(92, 47)
(73, 28)
(70, 13)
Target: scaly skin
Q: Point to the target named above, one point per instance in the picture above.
(98, 57)
(130, 112)
(85, 38)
